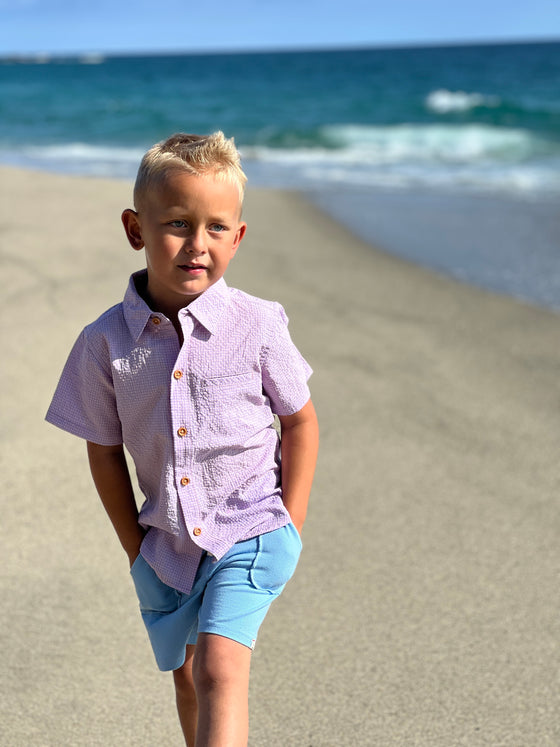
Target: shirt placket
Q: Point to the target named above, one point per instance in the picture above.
(182, 423)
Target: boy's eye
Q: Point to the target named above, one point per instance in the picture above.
(178, 223)
(217, 228)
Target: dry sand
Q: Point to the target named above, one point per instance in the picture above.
(424, 611)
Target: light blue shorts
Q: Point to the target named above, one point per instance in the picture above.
(230, 597)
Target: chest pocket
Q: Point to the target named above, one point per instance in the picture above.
(232, 407)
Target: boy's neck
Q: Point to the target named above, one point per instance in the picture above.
(171, 311)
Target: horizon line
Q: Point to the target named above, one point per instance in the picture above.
(45, 55)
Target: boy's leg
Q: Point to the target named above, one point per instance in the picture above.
(238, 590)
(221, 678)
(186, 698)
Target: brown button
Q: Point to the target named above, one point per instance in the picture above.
(182, 432)
(177, 374)
(197, 531)
(156, 320)
(185, 480)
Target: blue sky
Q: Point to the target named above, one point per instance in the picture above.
(67, 26)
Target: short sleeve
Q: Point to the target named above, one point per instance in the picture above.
(285, 371)
(84, 401)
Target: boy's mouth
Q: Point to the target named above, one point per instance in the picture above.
(193, 269)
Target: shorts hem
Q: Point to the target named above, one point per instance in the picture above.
(241, 638)
(164, 664)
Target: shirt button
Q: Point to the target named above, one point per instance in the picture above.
(197, 531)
(156, 320)
(177, 374)
(185, 480)
(182, 432)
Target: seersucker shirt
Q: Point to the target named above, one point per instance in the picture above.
(197, 418)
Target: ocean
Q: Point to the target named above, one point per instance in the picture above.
(446, 156)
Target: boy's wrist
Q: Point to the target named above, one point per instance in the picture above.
(132, 548)
(132, 557)
(298, 522)
(133, 554)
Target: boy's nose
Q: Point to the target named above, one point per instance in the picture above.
(195, 243)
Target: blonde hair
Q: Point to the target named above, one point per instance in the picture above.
(194, 154)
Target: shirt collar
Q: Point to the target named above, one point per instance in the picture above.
(206, 309)
(136, 311)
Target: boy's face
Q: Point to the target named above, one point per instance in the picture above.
(190, 228)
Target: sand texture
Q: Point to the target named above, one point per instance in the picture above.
(425, 608)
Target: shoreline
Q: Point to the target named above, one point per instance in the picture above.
(423, 610)
(504, 244)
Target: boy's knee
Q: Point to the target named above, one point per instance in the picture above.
(221, 664)
(210, 674)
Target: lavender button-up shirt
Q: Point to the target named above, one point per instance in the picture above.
(197, 419)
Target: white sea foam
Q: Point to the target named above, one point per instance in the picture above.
(465, 156)
(410, 143)
(449, 143)
(98, 160)
(443, 101)
(84, 151)
(472, 156)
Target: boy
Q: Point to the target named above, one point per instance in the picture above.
(187, 373)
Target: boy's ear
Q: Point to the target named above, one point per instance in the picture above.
(242, 227)
(132, 228)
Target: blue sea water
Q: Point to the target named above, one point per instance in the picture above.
(448, 156)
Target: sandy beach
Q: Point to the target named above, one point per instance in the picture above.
(424, 610)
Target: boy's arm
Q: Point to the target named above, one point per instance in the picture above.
(300, 443)
(112, 480)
